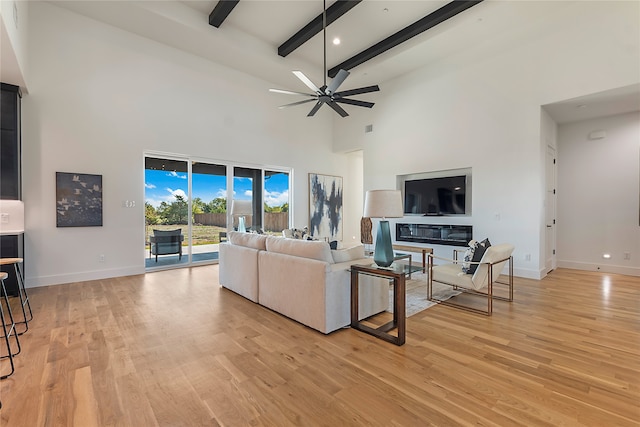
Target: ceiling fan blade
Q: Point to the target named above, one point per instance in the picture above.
(358, 91)
(296, 103)
(315, 108)
(337, 81)
(291, 92)
(306, 81)
(355, 102)
(338, 109)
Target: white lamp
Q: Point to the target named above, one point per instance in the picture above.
(241, 208)
(11, 217)
(383, 204)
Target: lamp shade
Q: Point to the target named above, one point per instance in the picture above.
(241, 207)
(11, 216)
(383, 204)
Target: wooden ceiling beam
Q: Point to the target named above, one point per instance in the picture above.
(335, 11)
(431, 20)
(221, 11)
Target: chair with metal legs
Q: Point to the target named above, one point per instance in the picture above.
(8, 328)
(22, 292)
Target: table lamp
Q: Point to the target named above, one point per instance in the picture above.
(241, 208)
(383, 204)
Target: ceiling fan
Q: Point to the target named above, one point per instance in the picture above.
(327, 94)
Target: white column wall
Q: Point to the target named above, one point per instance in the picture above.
(484, 113)
(99, 97)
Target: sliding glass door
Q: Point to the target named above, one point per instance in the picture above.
(166, 211)
(189, 207)
(247, 186)
(208, 209)
(276, 201)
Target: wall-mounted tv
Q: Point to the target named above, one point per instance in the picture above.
(436, 196)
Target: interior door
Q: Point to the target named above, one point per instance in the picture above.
(550, 210)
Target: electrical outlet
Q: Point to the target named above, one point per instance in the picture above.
(627, 256)
(527, 257)
(101, 258)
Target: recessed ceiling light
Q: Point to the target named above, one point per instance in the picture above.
(581, 106)
(336, 41)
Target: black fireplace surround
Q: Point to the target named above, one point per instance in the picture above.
(452, 235)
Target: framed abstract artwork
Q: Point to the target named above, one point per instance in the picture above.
(78, 200)
(325, 206)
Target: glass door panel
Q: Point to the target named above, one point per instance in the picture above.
(166, 212)
(247, 185)
(209, 209)
(276, 202)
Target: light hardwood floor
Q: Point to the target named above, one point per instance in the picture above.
(172, 348)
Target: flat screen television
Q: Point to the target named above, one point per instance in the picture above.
(436, 196)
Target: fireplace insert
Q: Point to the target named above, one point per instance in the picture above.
(453, 235)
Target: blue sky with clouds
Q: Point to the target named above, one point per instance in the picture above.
(162, 186)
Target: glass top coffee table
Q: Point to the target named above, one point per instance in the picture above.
(397, 273)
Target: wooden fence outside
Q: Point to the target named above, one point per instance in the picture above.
(273, 221)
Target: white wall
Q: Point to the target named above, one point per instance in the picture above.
(99, 97)
(13, 42)
(484, 113)
(598, 195)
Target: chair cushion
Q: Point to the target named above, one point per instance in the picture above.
(450, 273)
(175, 232)
(492, 255)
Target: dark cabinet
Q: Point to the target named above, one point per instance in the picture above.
(10, 142)
(11, 246)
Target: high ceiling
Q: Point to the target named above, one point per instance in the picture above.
(249, 38)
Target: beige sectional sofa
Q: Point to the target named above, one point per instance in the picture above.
(303, 280)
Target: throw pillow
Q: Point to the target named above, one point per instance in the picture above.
(481, 248)
(468, 255)
(333, 245)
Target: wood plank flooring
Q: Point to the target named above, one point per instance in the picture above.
(173, 348)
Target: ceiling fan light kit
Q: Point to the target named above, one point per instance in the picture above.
(327, 94)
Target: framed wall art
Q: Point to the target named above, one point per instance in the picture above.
(325, 206)
(78, 200)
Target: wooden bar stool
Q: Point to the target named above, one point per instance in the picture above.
(11, 330)
(22, 292)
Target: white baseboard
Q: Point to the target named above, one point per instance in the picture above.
(33, 282)
(526, 273)
(604, 268)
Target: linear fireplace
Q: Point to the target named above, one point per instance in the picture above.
(452, 235)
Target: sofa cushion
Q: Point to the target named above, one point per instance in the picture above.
(249, 240)
(348, 254)
(313, 249)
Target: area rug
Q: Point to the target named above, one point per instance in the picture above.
(416, 288)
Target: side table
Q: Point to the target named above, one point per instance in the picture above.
(396, 273)
(424, 251)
